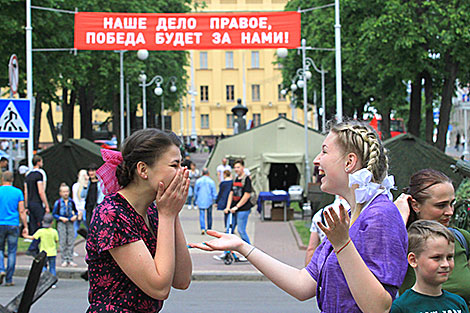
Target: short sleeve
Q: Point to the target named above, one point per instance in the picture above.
(247, 187)
(382, 243)
(396, 308)
(20, 195)
(113, 227)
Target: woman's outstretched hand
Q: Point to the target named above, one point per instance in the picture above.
(337, 230)
(402, 203)
(222, 242)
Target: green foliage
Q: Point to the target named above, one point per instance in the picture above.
(96, 71)
(463, 191)
(383, 45)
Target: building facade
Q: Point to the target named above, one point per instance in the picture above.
(223, 76)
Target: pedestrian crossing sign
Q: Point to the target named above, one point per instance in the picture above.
(15, 118)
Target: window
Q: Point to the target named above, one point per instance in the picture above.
(255, 59)
(204, 120)
(229, 59)
(230, 90)
(255, 93)
(280, 96)
(203, 60)
(282, 115)
(256, 119)
(204, 93)
(230, 119)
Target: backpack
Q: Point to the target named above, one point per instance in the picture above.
(460, 238)
(253, 196)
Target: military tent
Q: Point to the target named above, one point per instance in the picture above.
(63, 161)
(409, 154)
(274, 153)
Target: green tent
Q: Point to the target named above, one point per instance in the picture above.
(63, 161)
(277, 144)
(409, 154)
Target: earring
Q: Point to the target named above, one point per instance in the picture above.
(346, 169)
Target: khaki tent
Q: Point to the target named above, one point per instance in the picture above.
(274, 153)
(409, 154)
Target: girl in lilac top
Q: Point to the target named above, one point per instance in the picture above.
(363, 262)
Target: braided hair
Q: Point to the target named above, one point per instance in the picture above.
(361, 139)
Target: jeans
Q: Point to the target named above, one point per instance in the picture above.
(234, 222)
(77, 224)
(8, 234)
(202, 217)
(51, 264)
(66, 240)
(242, 220)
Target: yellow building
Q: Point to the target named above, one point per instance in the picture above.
(219, 77)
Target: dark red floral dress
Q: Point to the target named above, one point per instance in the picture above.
(116, 223)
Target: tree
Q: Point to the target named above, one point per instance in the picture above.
(90, 78)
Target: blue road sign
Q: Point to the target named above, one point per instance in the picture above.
(15, 118)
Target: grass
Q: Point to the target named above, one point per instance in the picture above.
(22, 245)
(296, 206)
(303, 229)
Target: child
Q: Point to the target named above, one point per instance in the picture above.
(48, 237)
(66, 214)
(431, 255)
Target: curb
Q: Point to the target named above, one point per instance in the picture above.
(298, 240)
(74, 273)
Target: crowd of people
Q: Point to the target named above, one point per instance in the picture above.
(368, 253)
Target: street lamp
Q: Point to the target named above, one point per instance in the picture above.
(172, 89)
(158, 91)
(303, 75)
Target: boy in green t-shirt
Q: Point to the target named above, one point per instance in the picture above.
(431, 255)
(49, 238)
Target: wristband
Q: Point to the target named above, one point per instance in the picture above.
(250, 251)
(345, 245)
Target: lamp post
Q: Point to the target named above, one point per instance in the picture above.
(158, 91)
(121, 96)
(303, 75)
(172, 89)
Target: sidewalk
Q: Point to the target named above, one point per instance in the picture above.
(274, 238)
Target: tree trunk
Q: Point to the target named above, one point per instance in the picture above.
(67, 114)
(428, 105)
(414, 121)
(151, 116)
(133, 121)
(451, 68)
(37, 122)
(85, 99)
(50, 120)
(385, 127)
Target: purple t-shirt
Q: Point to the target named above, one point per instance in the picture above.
(116, 223)
(380, 237)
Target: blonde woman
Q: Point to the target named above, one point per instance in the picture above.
(361, 265)
(77, 188)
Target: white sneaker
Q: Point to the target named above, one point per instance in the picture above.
(54, 286)
(219, 257)
(75, 253)
(241, 258)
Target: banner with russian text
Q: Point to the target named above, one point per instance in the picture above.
(186, 31)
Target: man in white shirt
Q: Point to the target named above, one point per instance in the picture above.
(221, 168)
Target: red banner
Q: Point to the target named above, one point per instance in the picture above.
(190, 31)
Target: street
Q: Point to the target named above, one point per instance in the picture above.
(70, 296)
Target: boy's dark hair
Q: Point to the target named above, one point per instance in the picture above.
(239, 161)
(146, 145)
(421, 230)
(36, 159)
(63, 184)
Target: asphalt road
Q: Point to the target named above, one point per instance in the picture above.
(70, 296)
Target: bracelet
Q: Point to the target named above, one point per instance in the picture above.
(347, 243)
(250, 251)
